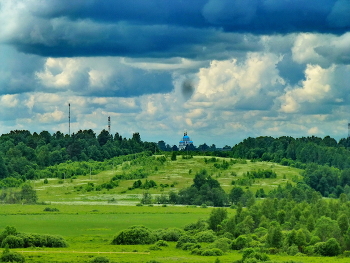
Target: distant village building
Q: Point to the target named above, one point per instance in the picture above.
(185, 141)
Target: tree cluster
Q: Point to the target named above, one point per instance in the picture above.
(23, 155)
(205, 190)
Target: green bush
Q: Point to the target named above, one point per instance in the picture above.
(185, 239)
(196, 251)
(190, 246)
(49, 209)
(309, 250)
(223, 244)
(12, 242)
(240, 242)
(135, 235)
(54, 241)
(329, 248)
(100, 260)
(292, 250)
(170, 234)
(206, 236)
(251, 255)
(8, 256)
(161, 243)
(212, 252)
(9, 230)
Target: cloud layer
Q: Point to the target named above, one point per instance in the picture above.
(223, 70)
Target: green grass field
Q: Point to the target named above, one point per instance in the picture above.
(73, 220)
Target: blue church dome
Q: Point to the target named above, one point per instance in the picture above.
(185, 141)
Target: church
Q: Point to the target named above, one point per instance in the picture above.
(184, 142)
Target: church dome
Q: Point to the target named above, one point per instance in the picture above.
(185, 141)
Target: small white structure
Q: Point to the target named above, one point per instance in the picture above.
(185, 141)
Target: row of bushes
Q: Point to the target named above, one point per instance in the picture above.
(12, 239)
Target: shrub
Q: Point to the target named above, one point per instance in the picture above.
(206, 236)
(9, 230)
(161, 243)
(222, 244)
(135, 235)
(12, 242)
(12, 257)
(319, 248)
(332, 247)
(196, 251)
(228, 235)
(170, 234)
(199, 226)
(240, 242)
(100, 260)
(190, 246)
(49, 209)
(292, 250)
(185, 239)
(54, 241)
(250, 253)
(309, 250)
(212, 252)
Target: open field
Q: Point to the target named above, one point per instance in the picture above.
(73, 220)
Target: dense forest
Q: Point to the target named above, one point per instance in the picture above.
(23, 155)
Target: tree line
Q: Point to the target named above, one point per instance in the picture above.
(23, 154)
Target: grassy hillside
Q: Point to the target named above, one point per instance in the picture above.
(172, 175)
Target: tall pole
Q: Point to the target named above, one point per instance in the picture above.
(109, 125)
(348, 130)
(69, 118)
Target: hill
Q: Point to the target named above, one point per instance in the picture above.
(169, 176)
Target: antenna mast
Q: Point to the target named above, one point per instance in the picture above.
(349, 130)
(69, 118)
(109, 125)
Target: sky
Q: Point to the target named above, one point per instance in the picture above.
(222, 70)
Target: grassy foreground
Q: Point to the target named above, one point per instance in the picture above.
(90, 229)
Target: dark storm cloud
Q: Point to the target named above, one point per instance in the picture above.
(84, 38)
(136, 83)
(164, 28)
(16, 71)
